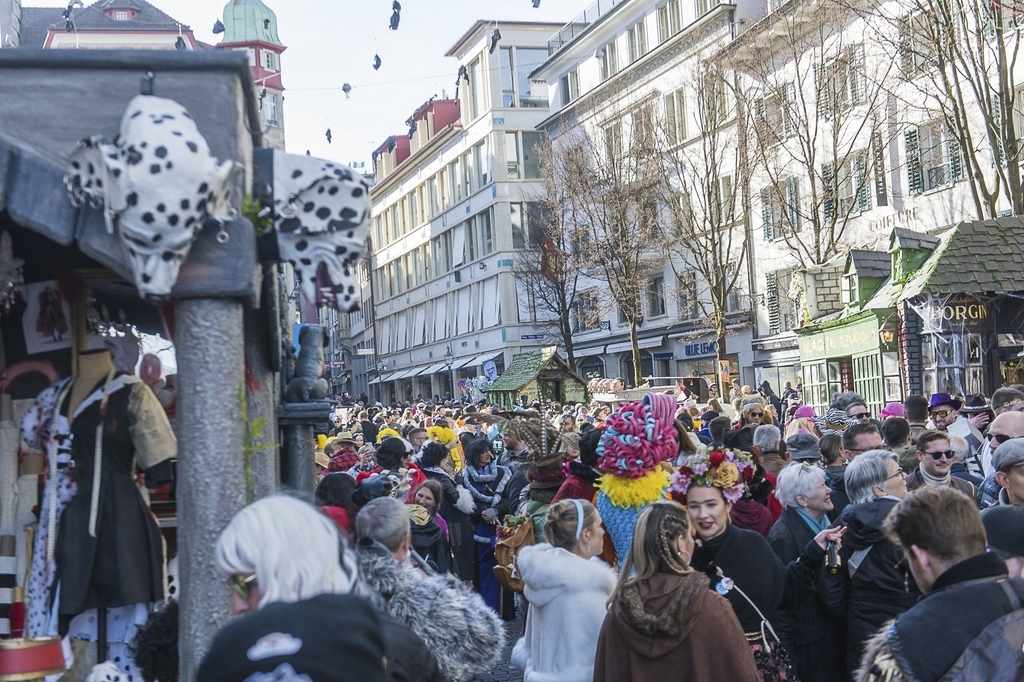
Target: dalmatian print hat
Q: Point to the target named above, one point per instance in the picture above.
(321, 218)
(158, 183)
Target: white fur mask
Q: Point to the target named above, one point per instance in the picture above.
(159, 182)
(322, 211)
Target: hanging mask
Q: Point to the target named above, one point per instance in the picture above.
(157, 183)
(321, 214)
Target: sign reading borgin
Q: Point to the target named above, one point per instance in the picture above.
(700, 349)
(951, 313)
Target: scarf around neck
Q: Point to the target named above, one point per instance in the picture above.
(928, 478)
(817, 526)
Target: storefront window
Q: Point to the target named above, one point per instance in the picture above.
(893, 380)
(591, 368)
(867, 380)
(816, 392)
(952, 363)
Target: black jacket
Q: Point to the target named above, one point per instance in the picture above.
(880, 589)
(745, 557)
(408, 658)
(972, 594)
(839, 497)
(815, 639)
(460, 528)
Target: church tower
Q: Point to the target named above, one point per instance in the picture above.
(251, 26)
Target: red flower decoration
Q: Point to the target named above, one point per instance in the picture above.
(716, 458)
(748, 474)
(687, 470)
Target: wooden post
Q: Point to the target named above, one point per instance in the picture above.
(211, 478)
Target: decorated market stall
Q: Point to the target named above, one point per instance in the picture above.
(537, 375)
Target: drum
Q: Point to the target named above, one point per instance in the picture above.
(30, 659)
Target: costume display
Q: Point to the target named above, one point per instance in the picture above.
(637, 438)
(98, 544)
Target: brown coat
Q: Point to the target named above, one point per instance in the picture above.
(672, 627)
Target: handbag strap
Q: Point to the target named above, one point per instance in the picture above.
(764, 621)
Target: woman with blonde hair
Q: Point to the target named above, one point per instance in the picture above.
(568, 591)
(663, 622)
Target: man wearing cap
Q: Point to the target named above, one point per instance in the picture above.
(1004, 527)
(966, 589)
(944, 411)
(1008, 461)
(1005, 429)
(803, 447)
(936, 459)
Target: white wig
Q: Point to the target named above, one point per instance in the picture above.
(294, 550)
(797, 478)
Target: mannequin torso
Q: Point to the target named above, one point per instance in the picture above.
(92, 371)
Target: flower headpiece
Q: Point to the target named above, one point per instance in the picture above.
(728, 470)
(637, 437)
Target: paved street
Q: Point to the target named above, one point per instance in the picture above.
(503, 671)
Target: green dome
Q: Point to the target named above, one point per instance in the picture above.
(247, 21)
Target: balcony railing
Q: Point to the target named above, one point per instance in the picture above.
(580, 23)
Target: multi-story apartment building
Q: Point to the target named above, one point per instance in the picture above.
(441, 305)
(847, 150)
(637, 58)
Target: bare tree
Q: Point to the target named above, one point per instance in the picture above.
(958, 64)
(817, 137)
(552, 260)
(611, 179)
(704, 227)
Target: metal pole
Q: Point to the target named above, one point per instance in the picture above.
(211, 475)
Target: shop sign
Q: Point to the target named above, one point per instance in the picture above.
(954, 313)
(700, 349)
(855, 338)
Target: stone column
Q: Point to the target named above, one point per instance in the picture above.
(211, 478)
(261, 390)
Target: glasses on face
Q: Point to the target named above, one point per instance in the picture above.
(948, 454)
(1001, 437)
(239, 584)
(941, 414)
(900, 473)
(861, 415)
(757, 414)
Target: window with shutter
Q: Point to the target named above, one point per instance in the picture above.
(956, 159)
(788, 97)
(860, 176)
(792, 204)
(828, 179)
(855, 74)
(772, 301)
(999, 150)
(878, 166)
(767, 217)
(823, 91)
(915, 174)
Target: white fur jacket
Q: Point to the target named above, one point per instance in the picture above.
(568, 598)
(465, 635)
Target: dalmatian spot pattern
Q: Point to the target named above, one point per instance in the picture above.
(158, 162)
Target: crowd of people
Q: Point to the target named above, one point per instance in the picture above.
(762, 542)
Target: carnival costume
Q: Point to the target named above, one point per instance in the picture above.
(739, 564)
(637, 438)
(489, 487)
(98, 544)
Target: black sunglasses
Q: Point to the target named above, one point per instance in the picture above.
(948, 454)
(1001, 437)
(862, 415)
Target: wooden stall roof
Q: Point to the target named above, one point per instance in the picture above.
(525, 367)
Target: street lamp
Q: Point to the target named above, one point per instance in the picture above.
(380, 375)
(449, 360)
(887, 333)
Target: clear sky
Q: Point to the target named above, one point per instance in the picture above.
(332, 42)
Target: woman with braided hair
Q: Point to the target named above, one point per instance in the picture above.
(568, 591)
(663, 622)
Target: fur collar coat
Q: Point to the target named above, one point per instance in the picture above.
(465, 636)
(568, 598)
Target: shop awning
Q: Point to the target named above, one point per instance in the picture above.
(627, 346)
(481, 359)
(403, 374)
(433, 369)
(587, 352)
